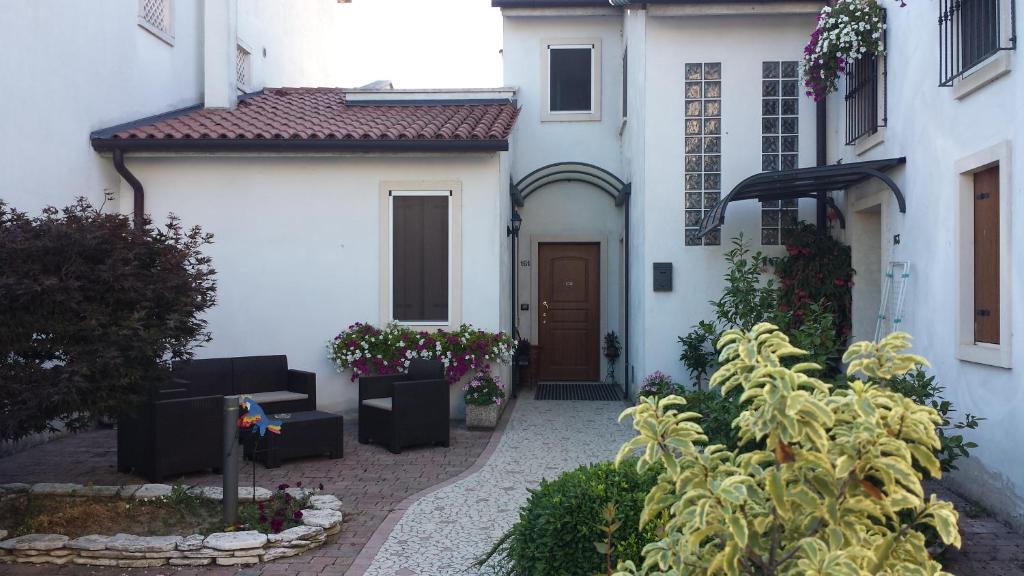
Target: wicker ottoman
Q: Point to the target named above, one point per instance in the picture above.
(302, 434)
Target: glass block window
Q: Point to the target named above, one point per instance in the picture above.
(243, 67)
(702, 174)
(780, 106)
(157, 17)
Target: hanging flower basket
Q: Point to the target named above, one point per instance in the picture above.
(845, 33)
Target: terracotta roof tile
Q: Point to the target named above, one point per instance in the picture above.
(308, 114)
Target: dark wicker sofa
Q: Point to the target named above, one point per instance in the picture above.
(178, 426)
(171, 432)
(400, 410)
(267, 379)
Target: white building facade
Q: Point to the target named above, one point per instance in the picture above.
(684, 100)
(82, 66)
(949, 101)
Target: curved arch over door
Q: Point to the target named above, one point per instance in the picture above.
(570, 172)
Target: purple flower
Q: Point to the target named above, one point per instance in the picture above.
(297, 515)
(282, 486)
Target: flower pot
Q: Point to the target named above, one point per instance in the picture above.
(482, 416)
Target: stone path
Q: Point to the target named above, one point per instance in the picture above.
(445, 531)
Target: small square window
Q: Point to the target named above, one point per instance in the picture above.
(693, 90)
(769, 125)
(712, 144)
(692, 239)
(713, 163)
(570, 78)
(712, 107)
(712, 89)
(243, 68)
(713, 181)
(693, 199)
(769, 144)
(712, 126)
(157, 17)
(790, 69)
(770, 107)
(789, 106)
(789, 125)
(770, 69)
(693, 144)
(713, 71)
(770, 88)
(789, 143)
(693, 218)
(693, 108)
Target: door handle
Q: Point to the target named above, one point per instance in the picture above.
(545, 304)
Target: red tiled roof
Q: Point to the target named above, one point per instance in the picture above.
(321, 115)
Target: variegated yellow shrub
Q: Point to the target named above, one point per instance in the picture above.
(833, 491)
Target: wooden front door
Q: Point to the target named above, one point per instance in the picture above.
(569, 311)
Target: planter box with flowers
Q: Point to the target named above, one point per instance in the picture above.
(485, 399)
(365, 349)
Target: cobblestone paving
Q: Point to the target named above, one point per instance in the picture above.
(370, 481)
(445, 531)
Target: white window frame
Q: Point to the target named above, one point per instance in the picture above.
(165, 35)
(967, 349)
(592, 115)
(242, 46)
(451, 189)
(995, 66)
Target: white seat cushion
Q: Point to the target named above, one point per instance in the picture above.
(276, 396)
(382, 403)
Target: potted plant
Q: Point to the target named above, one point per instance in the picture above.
(484, 397)
(612, 351)
(658, 384)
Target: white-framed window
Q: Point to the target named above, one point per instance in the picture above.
(571, 80)
(157, 17)
(243, 67)
(420, 269)
(984, 255)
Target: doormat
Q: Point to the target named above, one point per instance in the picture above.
(578, 391)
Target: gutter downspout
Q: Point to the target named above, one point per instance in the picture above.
(821, 146)
(625, 329)
(138, 193)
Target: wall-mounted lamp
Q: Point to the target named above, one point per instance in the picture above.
(516, 224)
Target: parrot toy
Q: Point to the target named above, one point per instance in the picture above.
(251, 415)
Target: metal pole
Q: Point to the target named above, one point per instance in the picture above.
(230, 465)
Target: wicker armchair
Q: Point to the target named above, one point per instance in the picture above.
(171, 433)
(400, 410)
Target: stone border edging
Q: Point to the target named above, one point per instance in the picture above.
(322, 519)
(365, 557)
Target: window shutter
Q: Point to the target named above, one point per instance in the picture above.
(986, 256)
(420, 253)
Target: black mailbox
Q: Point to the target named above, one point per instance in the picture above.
(662, 276)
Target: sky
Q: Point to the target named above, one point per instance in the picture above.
(422, 43)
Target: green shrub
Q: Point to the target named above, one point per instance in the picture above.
(561, 523)
(834, 490)
(922, 388)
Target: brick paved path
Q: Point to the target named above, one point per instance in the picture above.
(370, 481)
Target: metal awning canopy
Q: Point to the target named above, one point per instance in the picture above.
(804, 183)
(570, 172)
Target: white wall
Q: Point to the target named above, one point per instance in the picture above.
(71, 67)
(297, 243)
(740, 43)
(541, 143)
(933, 130)
(567, 211)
